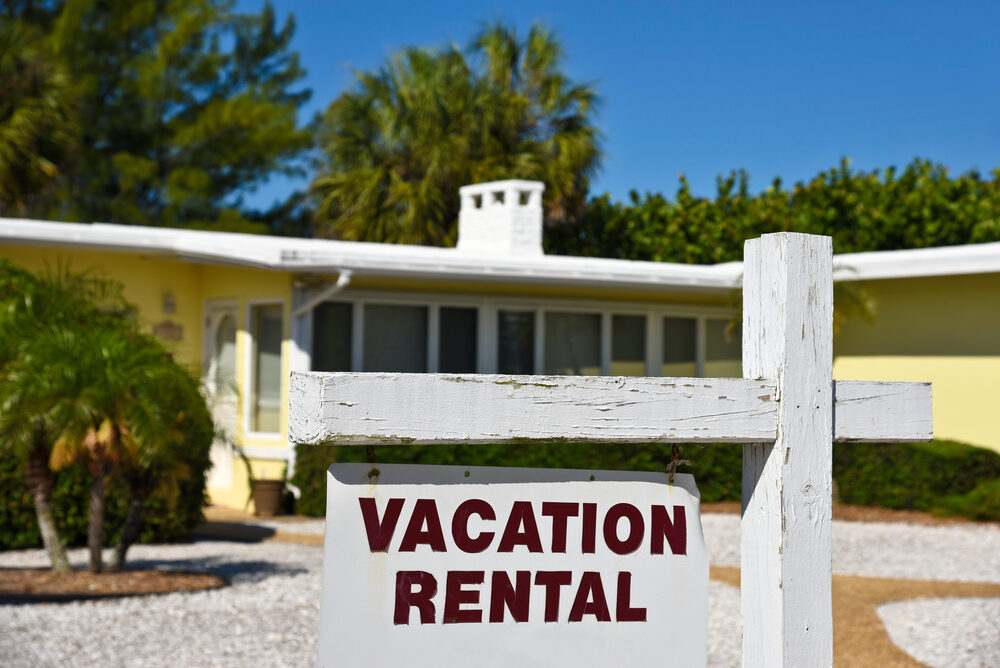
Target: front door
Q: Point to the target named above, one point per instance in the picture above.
(220, 385)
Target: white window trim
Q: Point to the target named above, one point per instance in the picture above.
(489, 306)
(249, 434)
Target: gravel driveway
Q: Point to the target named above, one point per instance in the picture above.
(268, 616)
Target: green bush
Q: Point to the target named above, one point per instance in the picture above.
(717, 468)
(941, 477)
(70, 499)
(932, 477)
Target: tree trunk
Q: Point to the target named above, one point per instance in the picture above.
(133, 523)
(40, 483)
(96, 519)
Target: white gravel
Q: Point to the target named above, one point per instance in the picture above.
(957, 553)
(268, 616)
(946, 632)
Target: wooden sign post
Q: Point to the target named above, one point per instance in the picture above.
(787, 411)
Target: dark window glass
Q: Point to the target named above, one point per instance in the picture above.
(628, 345)
(679, 352)
(331, 337)
(723, 350)
(457, 340)
(573, 344)
(516, 342)
(395, 338)
(265, 405)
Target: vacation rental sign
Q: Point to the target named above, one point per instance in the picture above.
(447, 565)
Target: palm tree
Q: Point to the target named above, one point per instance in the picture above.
(59, 298)
(121, 405)
(170, 433)
(37, 119)
(399, 145)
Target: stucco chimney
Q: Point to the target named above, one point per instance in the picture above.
(501, 218)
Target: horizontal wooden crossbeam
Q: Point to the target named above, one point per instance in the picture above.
(377, 408)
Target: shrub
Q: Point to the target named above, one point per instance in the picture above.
(163, 523)
(941, 477)
(718, 467)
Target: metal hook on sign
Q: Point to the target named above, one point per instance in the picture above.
(675, 461)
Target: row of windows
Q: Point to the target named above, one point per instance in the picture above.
(395, 339)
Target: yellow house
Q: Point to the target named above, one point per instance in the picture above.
(246, 310)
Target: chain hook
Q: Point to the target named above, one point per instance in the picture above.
(675, 461)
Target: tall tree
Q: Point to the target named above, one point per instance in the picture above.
(918, 206)
(37, 119)
(398, 146)
(184, 106)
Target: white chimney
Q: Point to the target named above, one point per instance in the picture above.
(501, 218)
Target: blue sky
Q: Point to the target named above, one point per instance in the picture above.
(780, 88)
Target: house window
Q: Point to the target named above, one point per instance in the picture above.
(266, 328)
(374, 331)
(680, 352)
(516, 342)
(331, 337)
(395, 338)
(723, 350)
(573, 344)
(628, 345)
(457, 339)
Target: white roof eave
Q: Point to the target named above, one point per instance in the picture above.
(448, 264)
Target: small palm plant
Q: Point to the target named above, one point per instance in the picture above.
(79, 384)
(124, 407)
(61, 299)
(170, 432)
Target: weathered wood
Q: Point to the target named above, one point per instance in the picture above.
(362, 409)
(373, 408)
(879, 412)
(786, 545)
(788, 423)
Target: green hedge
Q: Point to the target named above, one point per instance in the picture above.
(70, 498)
(942, 477)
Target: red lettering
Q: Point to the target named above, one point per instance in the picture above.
(636, 528)
(552, 581)
(460, 525)
(380, 532)
(590, 585)
(521, 515)
(675, 532)
(424, 512)
(589, 541)
(515, 597)
(623, 610)
(559, 511)
(455, 596)
(407, 598)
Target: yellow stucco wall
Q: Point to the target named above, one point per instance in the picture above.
(527, 290)
(945, 330)
(146, 280)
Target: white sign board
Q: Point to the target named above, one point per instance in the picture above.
(449, 566)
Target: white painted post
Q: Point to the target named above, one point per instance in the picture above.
(786, 545)
(787, 409)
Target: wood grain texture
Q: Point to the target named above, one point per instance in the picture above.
(375, 408)
(880, 412)
(786, 543)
